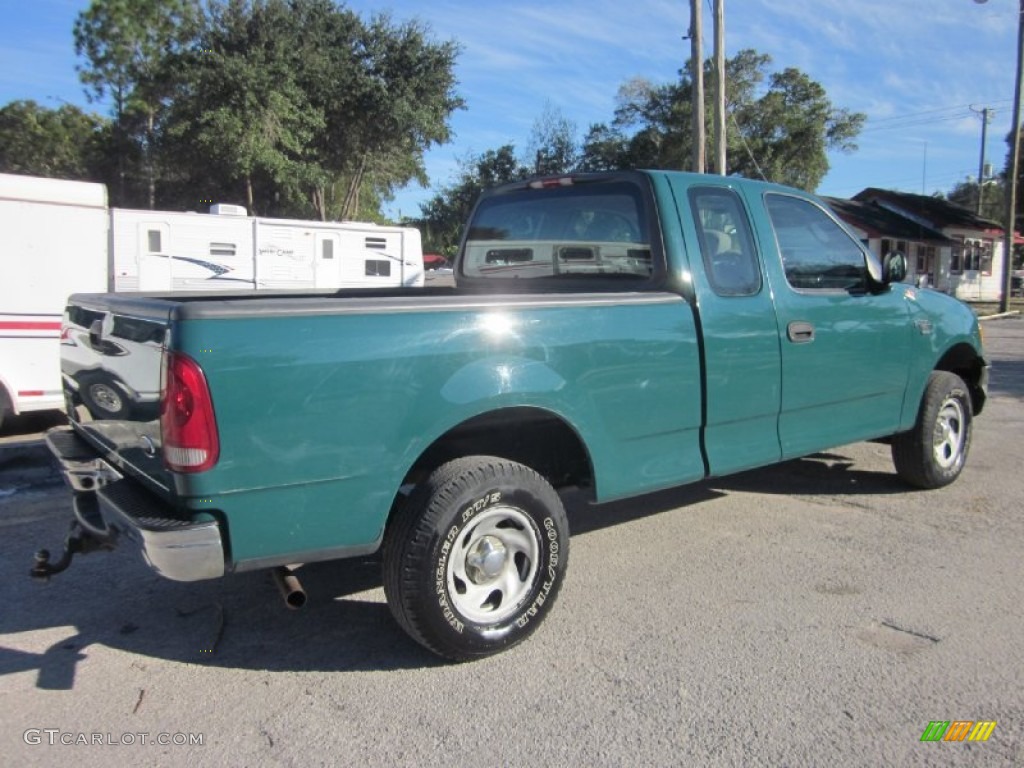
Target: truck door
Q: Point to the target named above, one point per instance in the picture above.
(845, 348)
(739, 331)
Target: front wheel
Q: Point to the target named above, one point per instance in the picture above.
(933, 453)
(476, 556)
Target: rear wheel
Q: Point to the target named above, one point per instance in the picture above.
(476, 556)
(934, 452)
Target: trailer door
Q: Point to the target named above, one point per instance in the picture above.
(154, 257)
(328, 260)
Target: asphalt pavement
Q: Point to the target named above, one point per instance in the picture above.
(817, 613)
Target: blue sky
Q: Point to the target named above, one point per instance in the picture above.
(915, 67)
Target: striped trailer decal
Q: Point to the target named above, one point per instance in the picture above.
(24, 326)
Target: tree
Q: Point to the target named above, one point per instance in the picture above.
(552, 147)
(993, 201)
(783, 134)
(387, 92)
(60, 143)
(126, 44)
(444, 215)
(789, 130)
(240, 117)
(305, 109)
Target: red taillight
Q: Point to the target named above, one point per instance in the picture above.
(187, 422)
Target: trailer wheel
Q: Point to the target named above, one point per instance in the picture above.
(5, 406)
(934, 452)
(475, 557)
(103, 398)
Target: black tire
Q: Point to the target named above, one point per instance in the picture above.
(103, 398)
(934, 452)
(475, 557)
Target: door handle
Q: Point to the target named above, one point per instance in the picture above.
(800, 333)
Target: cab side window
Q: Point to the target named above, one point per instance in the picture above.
(817, 254)
(726, 245)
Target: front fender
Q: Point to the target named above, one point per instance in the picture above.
(946, 336)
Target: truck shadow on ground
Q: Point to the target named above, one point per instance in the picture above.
(113, 600)
(821, 474)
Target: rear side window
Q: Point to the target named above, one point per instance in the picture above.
(726, 245)
(586, 231)
(817, 254)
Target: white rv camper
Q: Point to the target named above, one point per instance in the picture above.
(53, 242)
(58, 237)
(227, 250)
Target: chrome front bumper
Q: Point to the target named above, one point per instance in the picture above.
(110, 507)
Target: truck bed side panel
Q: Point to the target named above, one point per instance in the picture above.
(328, 412)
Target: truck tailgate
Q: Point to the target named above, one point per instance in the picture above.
(111, 351)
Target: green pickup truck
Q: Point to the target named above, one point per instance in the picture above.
(622, 332)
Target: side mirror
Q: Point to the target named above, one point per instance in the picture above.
(894, 268)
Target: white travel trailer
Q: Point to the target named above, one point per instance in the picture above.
(59, 237)
(53, 242)
(226, 250)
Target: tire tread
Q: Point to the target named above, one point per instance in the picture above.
(415, 525)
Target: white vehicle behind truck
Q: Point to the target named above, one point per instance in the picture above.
(227, 250)
(59, 237)
(53, 242)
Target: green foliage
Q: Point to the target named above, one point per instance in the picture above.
(781, 132)
(444, 215)
(993, 200)
(293, 107)
(126, 45)
(239, 116)
(552, 147)
(64, 142)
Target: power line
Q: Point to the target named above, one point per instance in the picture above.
(939, 109)
(926, 117)
(916, 123)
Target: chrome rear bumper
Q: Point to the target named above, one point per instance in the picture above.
(110, 507)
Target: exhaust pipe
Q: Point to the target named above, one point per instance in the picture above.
(291, 590)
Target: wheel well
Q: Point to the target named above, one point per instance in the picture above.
(964, 361)
(536, 438)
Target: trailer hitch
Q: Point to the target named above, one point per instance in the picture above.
(78, 541)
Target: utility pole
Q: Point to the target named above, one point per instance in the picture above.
(720, 129)
(1010, 226)
(986, 118)
(697, 64)
(1011, 203)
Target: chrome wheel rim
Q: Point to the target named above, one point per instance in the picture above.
(492, 565)
(950, 434)
(105, 397)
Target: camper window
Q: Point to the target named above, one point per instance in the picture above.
(378, 268)
(154, 240)
(328, 249)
